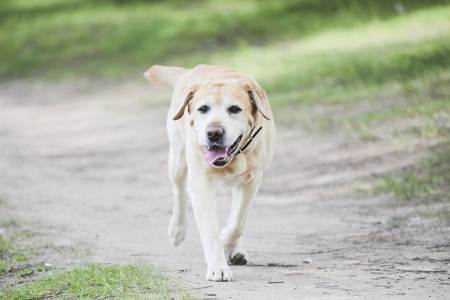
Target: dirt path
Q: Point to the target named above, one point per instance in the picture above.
(87, 166)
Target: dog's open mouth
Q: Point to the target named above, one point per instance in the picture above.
(220, 156)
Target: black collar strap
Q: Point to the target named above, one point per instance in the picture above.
(250, 139)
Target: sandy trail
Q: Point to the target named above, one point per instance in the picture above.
(87, 166)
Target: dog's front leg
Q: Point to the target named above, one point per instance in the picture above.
(231, 236)
(205, 211)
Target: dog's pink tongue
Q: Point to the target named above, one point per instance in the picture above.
(215, 153)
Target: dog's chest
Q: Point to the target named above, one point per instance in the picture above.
(237, 172)
(231, 179)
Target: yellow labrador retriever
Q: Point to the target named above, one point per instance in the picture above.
(221, 133)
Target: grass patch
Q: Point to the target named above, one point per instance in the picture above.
(5, 247)
(98, 281)
(408, 186)
(393, 223)
(21, 257)
(428, 181)
(16, 259)
(10, 223)
(442, 214)
(20, 262)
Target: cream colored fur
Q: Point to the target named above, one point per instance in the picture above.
(217, 88)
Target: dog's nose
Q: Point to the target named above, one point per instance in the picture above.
(214, 134)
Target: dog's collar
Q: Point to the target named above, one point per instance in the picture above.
(250, 139)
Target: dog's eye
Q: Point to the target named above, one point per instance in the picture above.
(234, 109)
(203, 109)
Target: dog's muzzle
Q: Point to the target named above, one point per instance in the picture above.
(220, 156)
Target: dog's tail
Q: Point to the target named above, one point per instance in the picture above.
(167, 76)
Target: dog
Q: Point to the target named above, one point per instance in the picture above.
(222, 133)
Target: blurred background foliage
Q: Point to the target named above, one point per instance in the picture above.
(114, 38)
(304, 51)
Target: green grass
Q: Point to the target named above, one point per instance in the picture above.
(371, 61)
(19, 262)
(118, 38)
(17, 259)
(9, 224)
(21, 257)
(95, 281)
(5, 247)
(426, 182)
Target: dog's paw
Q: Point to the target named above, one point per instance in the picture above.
(221, 273)
(177, 232)
(239, 259)
(237, 255)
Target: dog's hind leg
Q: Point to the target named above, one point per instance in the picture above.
(178, 177)
(231, 236)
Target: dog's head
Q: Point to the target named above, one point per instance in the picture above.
(222, 114)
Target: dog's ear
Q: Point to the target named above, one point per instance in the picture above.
(257, 96)
(188, 95)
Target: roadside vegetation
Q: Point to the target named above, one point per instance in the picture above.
(378, 70)
(424, 183)
(94, 281)
(18, 261)
(14, 259)
(24, 274)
